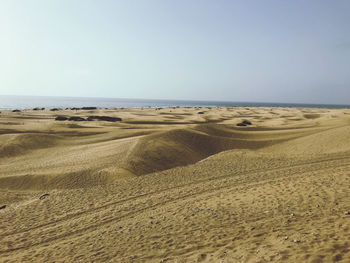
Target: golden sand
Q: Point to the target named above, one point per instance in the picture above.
(172, 185)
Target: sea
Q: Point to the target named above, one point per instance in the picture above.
(11, 102)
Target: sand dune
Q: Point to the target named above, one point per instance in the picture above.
(16, 144)
(172, 185)
(334, 140)
(179, 147)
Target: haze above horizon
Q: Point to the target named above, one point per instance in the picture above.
(267, 51)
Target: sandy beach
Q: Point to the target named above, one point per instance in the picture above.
(175, 185)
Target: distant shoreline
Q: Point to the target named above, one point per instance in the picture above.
(11, 102)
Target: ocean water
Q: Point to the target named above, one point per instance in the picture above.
(29, 102)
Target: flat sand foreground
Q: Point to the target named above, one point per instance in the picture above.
(175, 185)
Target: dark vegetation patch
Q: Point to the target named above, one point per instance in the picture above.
(104, 118)
(76, 118)
(61, 118)
(244, 123)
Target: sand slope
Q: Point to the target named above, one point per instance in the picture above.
(172, 185)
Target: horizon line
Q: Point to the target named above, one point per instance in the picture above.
(158, 99)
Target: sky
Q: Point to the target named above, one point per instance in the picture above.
(261, 51)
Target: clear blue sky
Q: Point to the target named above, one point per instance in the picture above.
(267, 51)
